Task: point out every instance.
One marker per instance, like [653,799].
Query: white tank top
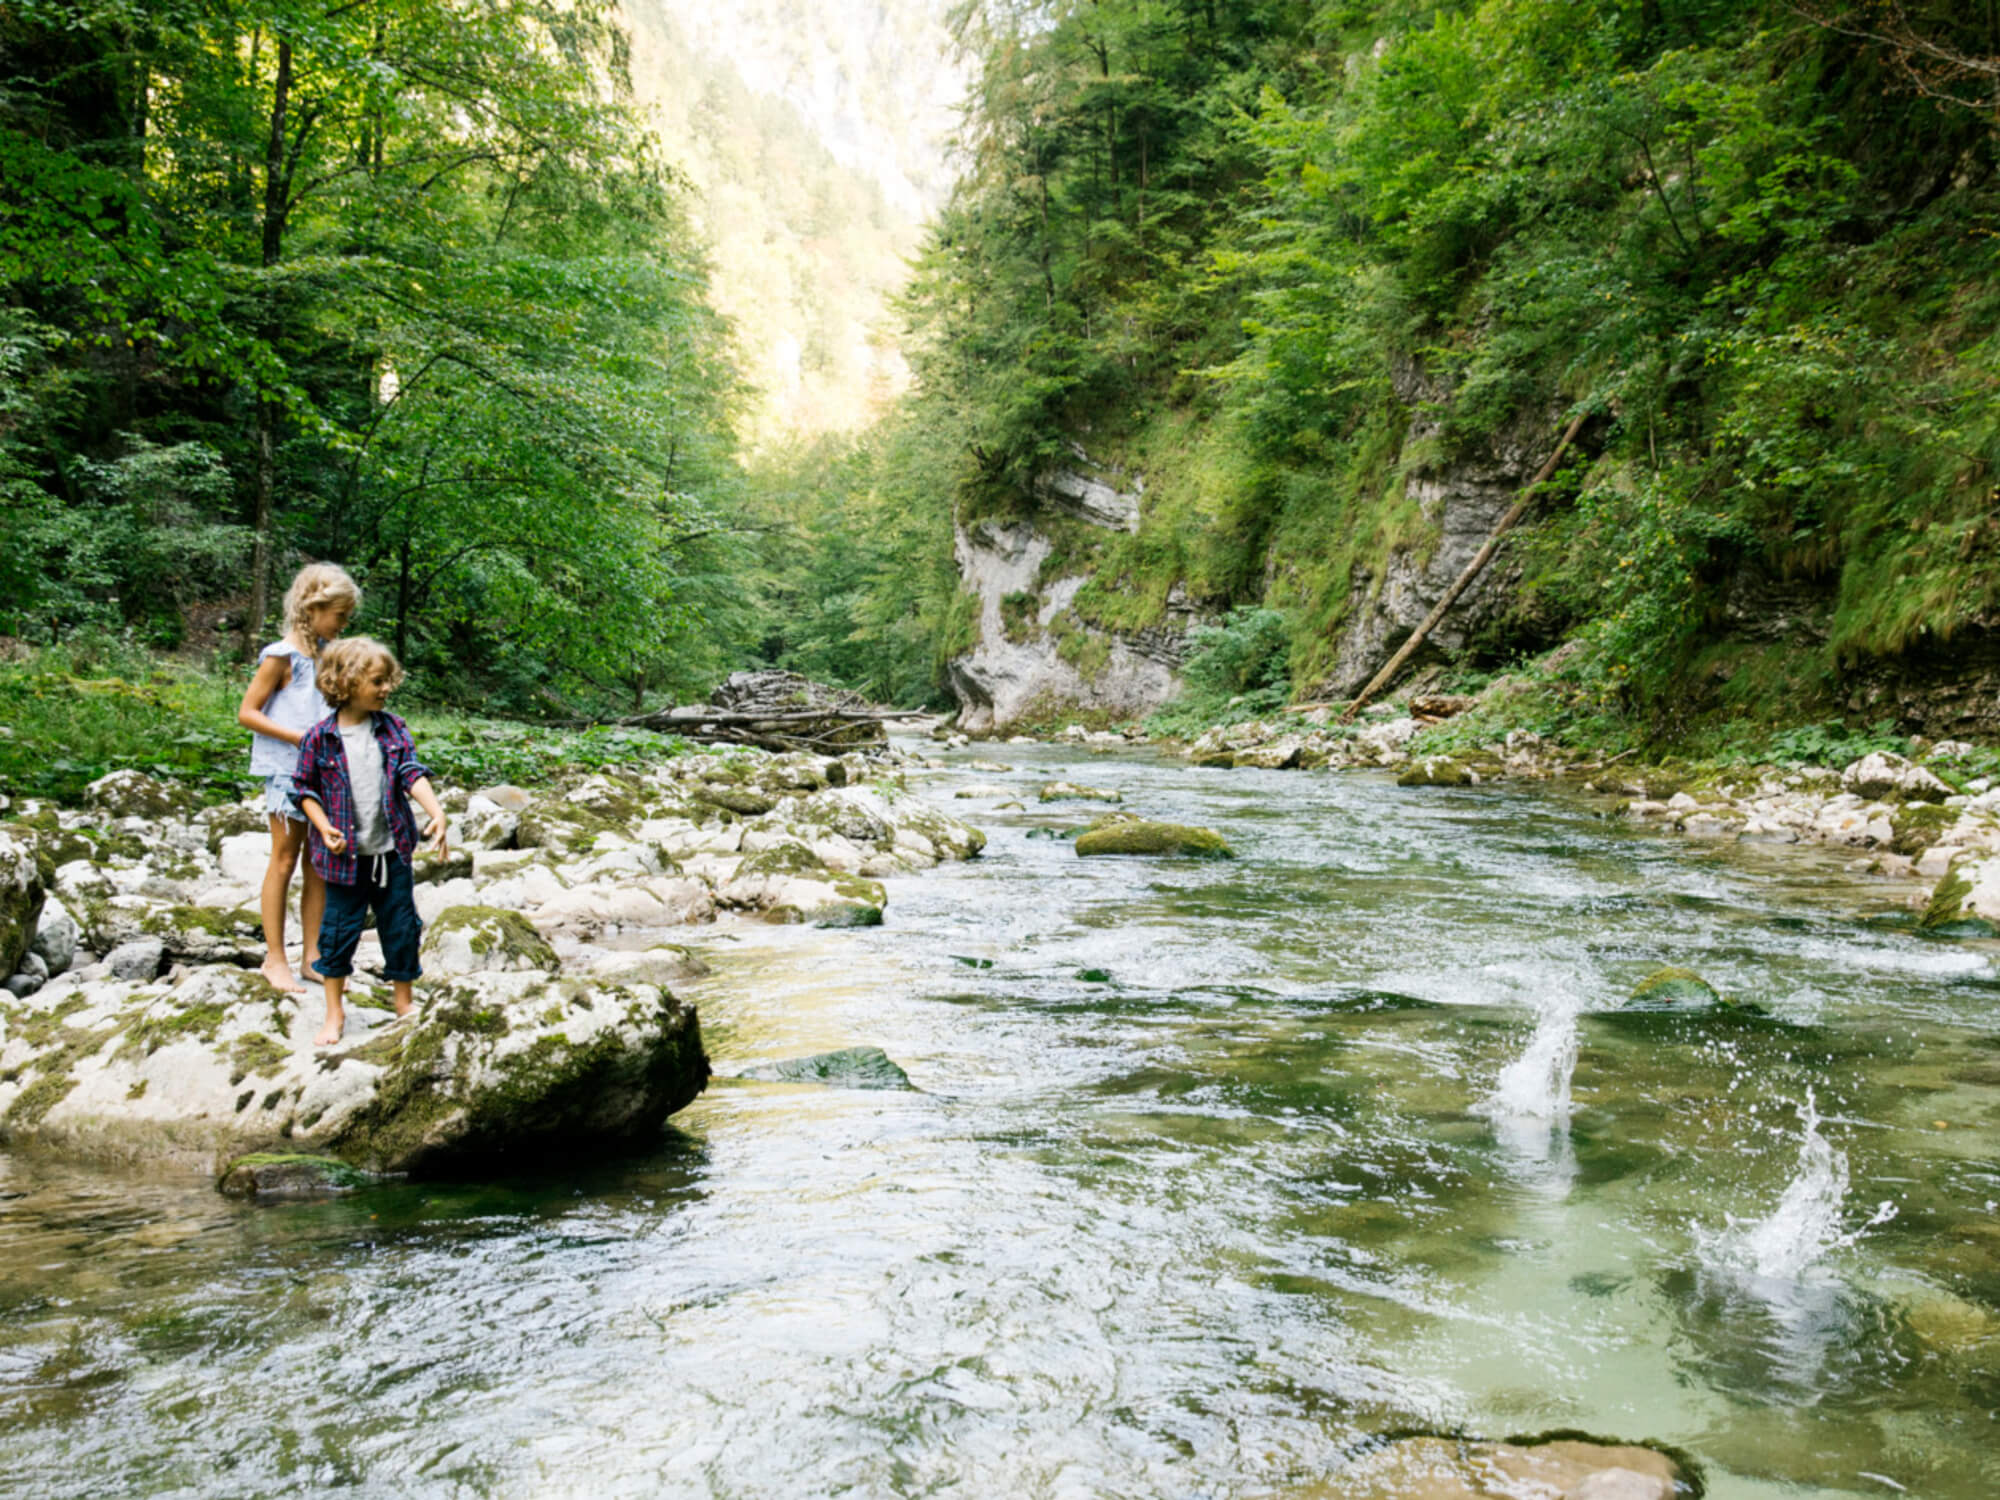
[296,705]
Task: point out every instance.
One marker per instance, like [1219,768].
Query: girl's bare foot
[279,973]
[330,1033]
[309,971]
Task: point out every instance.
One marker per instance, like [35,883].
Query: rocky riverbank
[1914,820]
[135,1027]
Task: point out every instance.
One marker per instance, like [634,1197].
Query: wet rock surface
[1442,1468]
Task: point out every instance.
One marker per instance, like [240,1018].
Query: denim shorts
[281,798]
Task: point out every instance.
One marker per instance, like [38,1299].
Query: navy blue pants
[396,919]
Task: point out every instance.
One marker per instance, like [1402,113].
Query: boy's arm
[305,785]
[436,840]
[333,838]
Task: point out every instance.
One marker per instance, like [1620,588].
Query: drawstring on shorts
[378,871]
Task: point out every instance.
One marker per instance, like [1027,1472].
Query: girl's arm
[273,672]
[436,840]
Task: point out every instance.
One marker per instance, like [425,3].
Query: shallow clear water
[1296,1170]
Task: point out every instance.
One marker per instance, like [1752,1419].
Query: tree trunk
[276,187]
[403,597]
[260,544]
[275,193]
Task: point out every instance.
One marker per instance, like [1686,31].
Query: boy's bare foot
[330,1033]
[279,973]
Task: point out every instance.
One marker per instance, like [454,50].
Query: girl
[282,703]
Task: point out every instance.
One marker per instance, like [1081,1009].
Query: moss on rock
[1436,770]
[471,939]
[1675,986]
[1918,825]
[736,799]
[256,1054]
[787,858]
[1945,911]
[1154,838]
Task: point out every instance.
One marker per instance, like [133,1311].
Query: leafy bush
[1834,743]
[1234,671]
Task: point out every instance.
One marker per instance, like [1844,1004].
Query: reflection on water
[1210,1172]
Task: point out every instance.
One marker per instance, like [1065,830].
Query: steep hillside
[1324,286]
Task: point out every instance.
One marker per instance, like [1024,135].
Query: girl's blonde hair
[346,661]
[317,586]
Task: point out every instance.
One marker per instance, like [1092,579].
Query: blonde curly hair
[317,586]
[345,662]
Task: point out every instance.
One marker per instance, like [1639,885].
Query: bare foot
[309,971]
[330,1033]
[279,973]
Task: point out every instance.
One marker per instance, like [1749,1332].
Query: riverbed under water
[1212,1171]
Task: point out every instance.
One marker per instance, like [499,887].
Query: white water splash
[1535,1085]
[1805,1226]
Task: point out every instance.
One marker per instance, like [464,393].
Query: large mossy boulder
[21,897]
[1143,837]
[222,1065]
[1673,986]
[485,939]
[1966,901]
[498,1063]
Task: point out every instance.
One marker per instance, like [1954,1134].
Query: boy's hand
[335,841]
[436,841]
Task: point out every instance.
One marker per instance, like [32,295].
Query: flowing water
[1212,1171]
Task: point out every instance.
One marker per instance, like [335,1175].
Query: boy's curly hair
[345,662]
[316,586]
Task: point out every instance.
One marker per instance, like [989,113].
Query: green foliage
[403,284]
[1234,671]
[99,704]
[1834,743]
[856,577]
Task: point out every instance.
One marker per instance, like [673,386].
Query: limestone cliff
[1035,656]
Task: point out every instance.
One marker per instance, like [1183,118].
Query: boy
[357,771]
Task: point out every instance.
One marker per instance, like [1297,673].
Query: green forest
[412,285]
[1246,248]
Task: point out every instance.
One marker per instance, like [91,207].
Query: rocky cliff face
[1034,656]
[1462,498]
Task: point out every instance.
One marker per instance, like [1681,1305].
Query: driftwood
[776,711]
[828,731]
[1472,570]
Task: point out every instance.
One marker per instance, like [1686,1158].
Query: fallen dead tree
[777,711]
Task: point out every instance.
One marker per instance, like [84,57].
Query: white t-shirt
[364,776]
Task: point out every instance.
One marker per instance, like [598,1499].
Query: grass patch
[77,712]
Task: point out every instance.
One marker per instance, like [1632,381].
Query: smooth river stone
[1435,1468]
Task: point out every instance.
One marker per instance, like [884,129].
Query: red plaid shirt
[322,776]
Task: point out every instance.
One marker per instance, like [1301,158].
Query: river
[1210,1172]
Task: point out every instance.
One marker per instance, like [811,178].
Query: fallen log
[824,730]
